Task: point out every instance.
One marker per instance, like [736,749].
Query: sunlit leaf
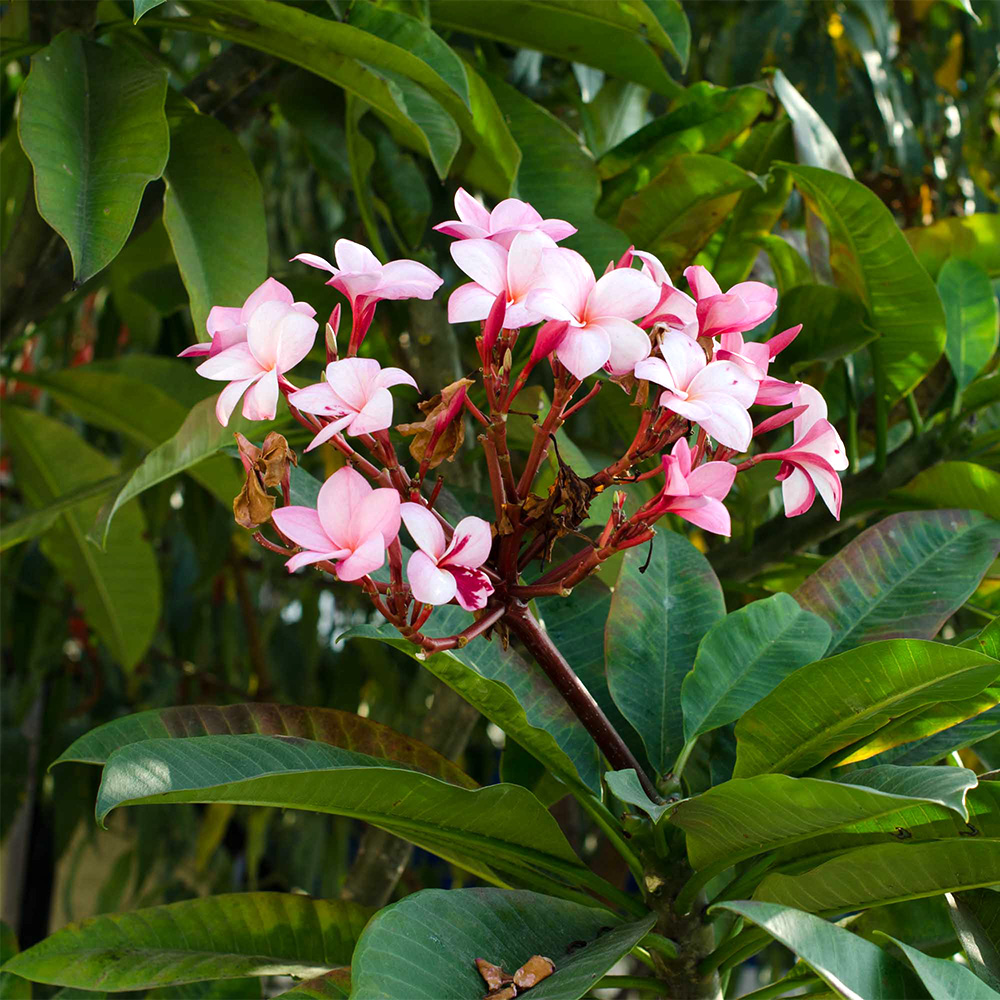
[972,316]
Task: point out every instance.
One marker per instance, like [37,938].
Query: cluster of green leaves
[181,153]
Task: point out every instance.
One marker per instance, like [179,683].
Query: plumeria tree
[669,459]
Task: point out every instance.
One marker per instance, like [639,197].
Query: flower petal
[329,430]
[408,279]
[470,210]
[713,479]
[653,267]
[684,358]
[556,229]
[269,291]
[375,415]
[196,351]
[307,558]
[428,583]
[424,529]
[353,380]
[728,422]
[761,300]
[470,545]
[302,526]
[315,261]
[584,350]
[228,399]
[706,512]
[655,370]
[797,492]
[625,293]
[354,257]
[235,362]
[701,281]
[223,317]
[483,261]
[472,587]
[296,334]
[570,278]
[379,513]
[317,398]
[629,344]
[394,376]
[524,263]
[340,497]
[365,559]
[462,230]
[727,378]
[470,302]
[261,400]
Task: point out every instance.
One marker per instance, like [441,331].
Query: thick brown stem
[528,629]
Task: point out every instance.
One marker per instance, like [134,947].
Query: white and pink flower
[351,526]
[509,218]
[755,359]
[696,495]
[440,571]
[715,395]
[598,313]
[355,394]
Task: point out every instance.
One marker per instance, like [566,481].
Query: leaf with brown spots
[324,725]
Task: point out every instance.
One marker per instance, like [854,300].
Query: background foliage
[845,151]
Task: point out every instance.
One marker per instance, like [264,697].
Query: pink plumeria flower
[598,313]
[439,571]
[743,307]
[363,279]
[813,460]
[351,526]
[355,393]
[501,225]
[279,334]
[715,395]
[696,495]
[755,359]
[675,309]
[495,270]
[227,325]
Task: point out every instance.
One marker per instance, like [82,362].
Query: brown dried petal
[504,993]
[495,976]
[453,436]
[537,968]
[254,504]
[274,458]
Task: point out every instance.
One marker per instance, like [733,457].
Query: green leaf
[830,704]
[972,317]
[674,215]
[599,33]
[745,656]
[215,218]
[509,692]
[947,741]
[976,918]
[219,937]
[93,125]
[334,985]
[325,725]
[886,873]
[15,176]
[119,589]
[790,269]
[923,923]
[657,620]
[834,324]
[140,7]
[626,787]
[957,484]
[502,825]
[409,93]
[557,175]
[11,987]
[775,810]
[871,259]
[815,144]
[423,947]
[965,5]
[704,123]
[850,965]
[200,437]
[973,238]
[904,576]
[945,978]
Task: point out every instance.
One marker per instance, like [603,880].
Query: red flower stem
[259,538]
[527,628]
[583,402]
[464,637]
[565,387]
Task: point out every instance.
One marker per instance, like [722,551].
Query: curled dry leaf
[265,467]
[450,439]
[503,986]
[495,976]
[537,968]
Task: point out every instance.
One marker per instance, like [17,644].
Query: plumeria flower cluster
[697,374]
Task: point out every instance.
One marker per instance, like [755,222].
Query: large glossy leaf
[597,33]
[334,985]
[971,237]
[674,215]
[976,918]
[815,144]
[657,620]
[886,873]
[958,484]
[413,91]
[850,965]
[140,7]
[789,266]
[146,406]
[830,704]
[871,259]
[502,825]
[325,725]
[944,978]
[424,947]
[215,218]
[217,937]
[93,125]
[902,577]
[119,589]
[941,744]
[745,656]
[971,314]
[557,175]
[199,438]
[923,923]
[775,810]
[509,692]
